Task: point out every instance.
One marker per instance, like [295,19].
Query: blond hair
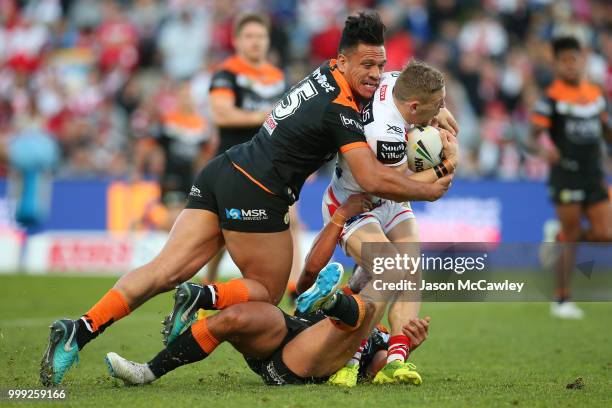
[418,80]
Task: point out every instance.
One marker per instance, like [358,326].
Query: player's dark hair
[565,43]
[250,17]
[366,27]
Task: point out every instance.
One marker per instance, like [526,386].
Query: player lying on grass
[414,96]
[286,349]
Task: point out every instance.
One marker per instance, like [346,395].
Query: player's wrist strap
[444,168]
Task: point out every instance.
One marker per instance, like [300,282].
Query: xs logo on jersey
[394,129]
[257,214]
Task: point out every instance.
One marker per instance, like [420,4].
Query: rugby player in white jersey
[404,99]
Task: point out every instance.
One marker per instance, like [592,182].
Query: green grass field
[494,354]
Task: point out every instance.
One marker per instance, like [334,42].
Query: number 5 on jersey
[292,101]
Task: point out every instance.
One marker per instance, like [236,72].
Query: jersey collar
[346,94]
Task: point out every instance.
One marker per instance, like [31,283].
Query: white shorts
[388,214]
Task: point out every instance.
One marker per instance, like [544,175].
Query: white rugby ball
[423,148]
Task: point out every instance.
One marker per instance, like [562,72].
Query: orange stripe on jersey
[351,146]
[222,92]
[265,74]
[541,120]
[581,94]
[345,97]
[243,171]
[186,121]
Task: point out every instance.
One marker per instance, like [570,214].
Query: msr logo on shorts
[258,214]
[195,192]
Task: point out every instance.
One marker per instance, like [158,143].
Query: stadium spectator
[183,42]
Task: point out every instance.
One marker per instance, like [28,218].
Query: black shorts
[577,190]
[240,204]
[273,370]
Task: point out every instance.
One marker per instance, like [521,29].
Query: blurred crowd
[103,77]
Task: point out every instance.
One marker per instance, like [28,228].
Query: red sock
[357,356]
[399,347]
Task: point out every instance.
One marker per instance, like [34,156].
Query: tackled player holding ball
[413,96]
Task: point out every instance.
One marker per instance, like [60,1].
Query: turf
[494,354]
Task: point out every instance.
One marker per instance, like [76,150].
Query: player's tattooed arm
[324,244]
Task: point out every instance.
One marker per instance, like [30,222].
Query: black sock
[184,350]
[205,301]
[83,335]
[344,308]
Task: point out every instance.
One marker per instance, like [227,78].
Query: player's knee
[234,318]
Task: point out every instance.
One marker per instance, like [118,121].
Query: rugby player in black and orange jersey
[242,91]
[574,113]
[241,199]
[245,86]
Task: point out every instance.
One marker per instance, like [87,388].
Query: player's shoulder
[387,82]
[272,73]
[336,90]
[586,92]
[234,65]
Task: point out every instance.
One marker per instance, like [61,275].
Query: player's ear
[413,106]
[342,62]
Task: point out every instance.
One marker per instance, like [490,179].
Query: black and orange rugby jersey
[254,89]
[574,117]
[316,119]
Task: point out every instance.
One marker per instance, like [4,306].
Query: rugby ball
[423,148]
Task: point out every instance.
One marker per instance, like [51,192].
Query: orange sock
[231,293]
[109,309]
[200,332]
[346,289]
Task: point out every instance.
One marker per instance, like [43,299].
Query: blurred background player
[242,93]
[173,150]
[574,113]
